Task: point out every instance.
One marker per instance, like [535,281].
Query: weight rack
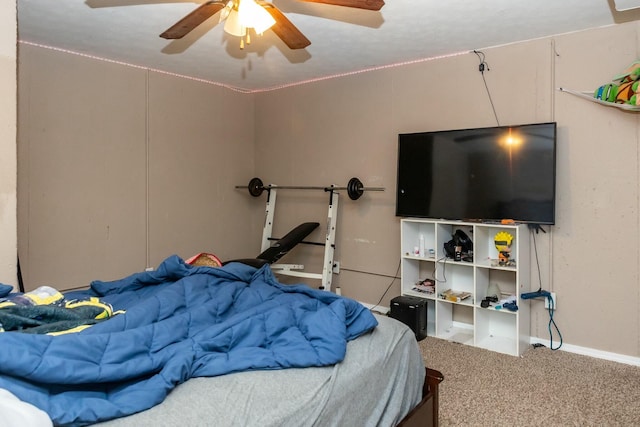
[354,189]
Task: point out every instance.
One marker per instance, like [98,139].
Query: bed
[356,368]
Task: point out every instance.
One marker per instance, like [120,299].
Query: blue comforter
[180,322]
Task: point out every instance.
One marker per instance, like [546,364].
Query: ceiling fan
[236,13]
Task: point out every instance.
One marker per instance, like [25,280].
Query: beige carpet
[541,388]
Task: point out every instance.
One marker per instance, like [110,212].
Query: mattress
[378,382]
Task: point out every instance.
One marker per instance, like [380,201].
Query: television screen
[486,174]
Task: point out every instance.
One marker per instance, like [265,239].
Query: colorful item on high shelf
[624,87]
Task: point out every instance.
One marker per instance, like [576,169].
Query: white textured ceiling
[343,40]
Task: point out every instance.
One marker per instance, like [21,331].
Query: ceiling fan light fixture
[252,15]
[232,25]
[244,14]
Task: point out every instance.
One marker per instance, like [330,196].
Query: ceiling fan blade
[192,20]
[360,4]
[285,29]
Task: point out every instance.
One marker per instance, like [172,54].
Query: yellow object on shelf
[455,296]
[503,241]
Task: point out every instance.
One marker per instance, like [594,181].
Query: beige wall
[120,167]
[332,130]
[191,149]
[595,244]
[327,131]
[8,164]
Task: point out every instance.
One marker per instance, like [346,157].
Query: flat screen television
[483,174]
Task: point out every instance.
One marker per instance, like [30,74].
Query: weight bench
[281,247]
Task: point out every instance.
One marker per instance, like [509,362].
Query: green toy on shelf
[631,74]
[624,87]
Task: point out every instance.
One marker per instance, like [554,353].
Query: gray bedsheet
[377,384]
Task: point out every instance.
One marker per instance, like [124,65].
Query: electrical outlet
[336,267]
[555,301]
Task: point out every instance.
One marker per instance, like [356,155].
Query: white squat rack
[355,189]
[329,244]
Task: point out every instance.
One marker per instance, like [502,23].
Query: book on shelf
[426,286]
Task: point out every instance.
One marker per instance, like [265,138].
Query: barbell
[354,188]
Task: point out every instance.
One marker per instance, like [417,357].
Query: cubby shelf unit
[465,321]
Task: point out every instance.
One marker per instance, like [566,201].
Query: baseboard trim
[591,352]
[585,351]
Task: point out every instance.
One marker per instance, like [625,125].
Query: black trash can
[412,311]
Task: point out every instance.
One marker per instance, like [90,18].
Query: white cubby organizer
[466,321]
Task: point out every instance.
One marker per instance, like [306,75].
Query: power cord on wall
[442,260]
[482,67]
[552,323]
[394,278]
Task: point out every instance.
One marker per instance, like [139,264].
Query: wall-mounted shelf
[589,97]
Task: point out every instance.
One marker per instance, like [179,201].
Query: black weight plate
[355,189]
[255,187]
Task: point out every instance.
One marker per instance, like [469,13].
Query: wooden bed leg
[425,414]
[434,378]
